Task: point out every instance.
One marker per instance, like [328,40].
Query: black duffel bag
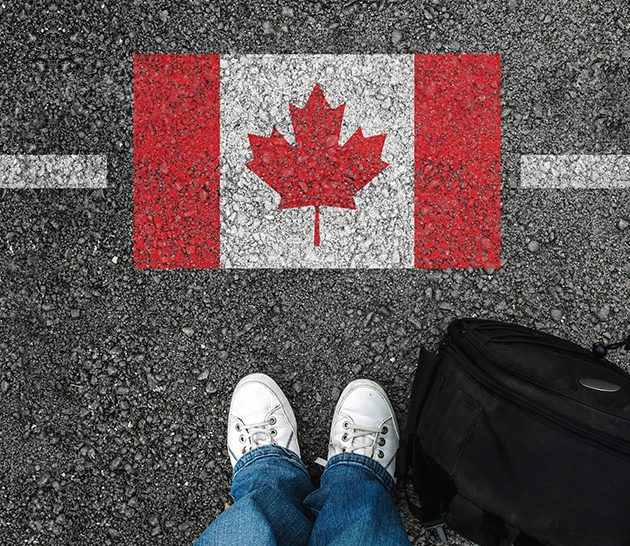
[519,437]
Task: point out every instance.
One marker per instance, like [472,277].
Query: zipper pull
[439,529]
[600,349]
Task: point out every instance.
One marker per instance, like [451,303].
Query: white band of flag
[234,156]
[575,171]
[53,171]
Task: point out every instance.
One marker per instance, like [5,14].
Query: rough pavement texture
[114,383]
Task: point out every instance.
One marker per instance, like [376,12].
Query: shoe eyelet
[274,443]
[343,449]
[241,439]
[344,438]
[346,425]
[272,421]
[384,431]
[274,432]
[381,442]
[244,450]
[380,454]
[237,427]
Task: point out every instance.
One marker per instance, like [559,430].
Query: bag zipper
[521,375]
[516,338]
[510,397]
[609,366]
[525,335]
[599,349]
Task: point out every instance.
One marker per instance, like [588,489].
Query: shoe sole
[275,388]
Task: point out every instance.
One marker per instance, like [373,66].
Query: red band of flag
[457,161]
[176,161]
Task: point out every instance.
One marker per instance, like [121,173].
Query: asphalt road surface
[115,382]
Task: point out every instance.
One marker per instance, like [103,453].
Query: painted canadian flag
[336,161]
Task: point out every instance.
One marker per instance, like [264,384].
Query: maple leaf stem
[316,225]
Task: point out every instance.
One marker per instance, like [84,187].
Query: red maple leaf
[317,171]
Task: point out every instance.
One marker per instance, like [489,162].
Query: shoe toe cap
[368,406]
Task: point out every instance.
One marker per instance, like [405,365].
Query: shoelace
[256,434]
[353,433]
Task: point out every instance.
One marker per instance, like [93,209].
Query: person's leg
[270,481]
[355,502]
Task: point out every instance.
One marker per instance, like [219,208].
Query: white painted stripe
[256,91]
[53,171]
[575,171]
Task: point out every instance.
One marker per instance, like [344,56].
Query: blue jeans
[275,503]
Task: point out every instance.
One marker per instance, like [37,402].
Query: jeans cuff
[354,459]
[264,452]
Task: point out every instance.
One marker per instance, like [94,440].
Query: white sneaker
[364,423]
[260,415]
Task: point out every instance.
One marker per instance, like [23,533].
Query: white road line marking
[53,171]
[575,171]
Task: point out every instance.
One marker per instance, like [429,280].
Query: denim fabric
[276,504]
[355,504]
